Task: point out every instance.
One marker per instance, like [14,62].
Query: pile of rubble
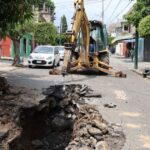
[89,130]
[4,87]
[57,119]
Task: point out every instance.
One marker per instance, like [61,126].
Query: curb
[148,77]
[139,72]
[11,68]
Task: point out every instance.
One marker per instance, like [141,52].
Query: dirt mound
[4,87]
[57,120]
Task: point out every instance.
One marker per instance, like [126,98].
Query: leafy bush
[144,27]
[140,9]
[45,33]
[15,12]
[60,39]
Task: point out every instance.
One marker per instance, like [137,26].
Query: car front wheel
[54,64]
[30,66]
[58,63]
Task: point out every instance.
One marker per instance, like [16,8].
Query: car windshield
[44,49]
[61,49]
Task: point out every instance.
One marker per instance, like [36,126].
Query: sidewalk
[141,65]
[5,66]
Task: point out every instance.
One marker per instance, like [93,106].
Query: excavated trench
[59,119]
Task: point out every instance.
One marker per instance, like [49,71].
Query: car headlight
[50,57]
[31,57]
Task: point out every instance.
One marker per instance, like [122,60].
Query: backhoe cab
[98,41]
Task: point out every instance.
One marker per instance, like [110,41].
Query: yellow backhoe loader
[86,46]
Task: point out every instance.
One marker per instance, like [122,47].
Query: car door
[56,55]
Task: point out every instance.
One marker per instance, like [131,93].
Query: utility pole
[103,11]
[60,32]
[136,49]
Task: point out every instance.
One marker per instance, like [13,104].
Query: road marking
[130,114]
[145,140]
[133,126]
[120,95]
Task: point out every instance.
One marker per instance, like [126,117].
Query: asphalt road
[131,96]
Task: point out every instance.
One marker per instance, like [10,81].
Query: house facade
[125,42]
[7,47]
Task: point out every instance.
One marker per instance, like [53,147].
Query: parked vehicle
[44,55]
[61,51]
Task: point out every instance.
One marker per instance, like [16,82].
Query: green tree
[16,34]
[63,25]
[16,19]
[62,38]
[49,4]
[140,10]
[144,27]
[13,13]
[110,39]
[45,33]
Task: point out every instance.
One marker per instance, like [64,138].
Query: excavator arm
[80,24]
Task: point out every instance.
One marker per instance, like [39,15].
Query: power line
[73,1]
[102,10]
[96,1]
[86,3]
[121,11]
[115,9]
[107,6]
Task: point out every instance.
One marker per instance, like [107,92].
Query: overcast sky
[114,9]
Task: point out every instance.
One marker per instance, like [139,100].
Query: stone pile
[67,99]
[57,119]
[4,86]
[89,130]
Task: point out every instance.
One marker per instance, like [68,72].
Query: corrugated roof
[122,37]
[129,41]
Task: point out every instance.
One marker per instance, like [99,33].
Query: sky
[113,10]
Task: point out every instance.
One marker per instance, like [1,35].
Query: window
[125,27]
[44,49]
[56,50]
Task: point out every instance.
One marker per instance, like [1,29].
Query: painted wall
[141,49]
[121,49]
[6,47]
[25,47]
[147,50]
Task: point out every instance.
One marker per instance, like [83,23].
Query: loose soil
[56,119]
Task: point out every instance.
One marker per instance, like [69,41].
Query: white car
[61,51]
[44,55]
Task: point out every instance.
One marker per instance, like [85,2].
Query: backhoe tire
[104,57]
